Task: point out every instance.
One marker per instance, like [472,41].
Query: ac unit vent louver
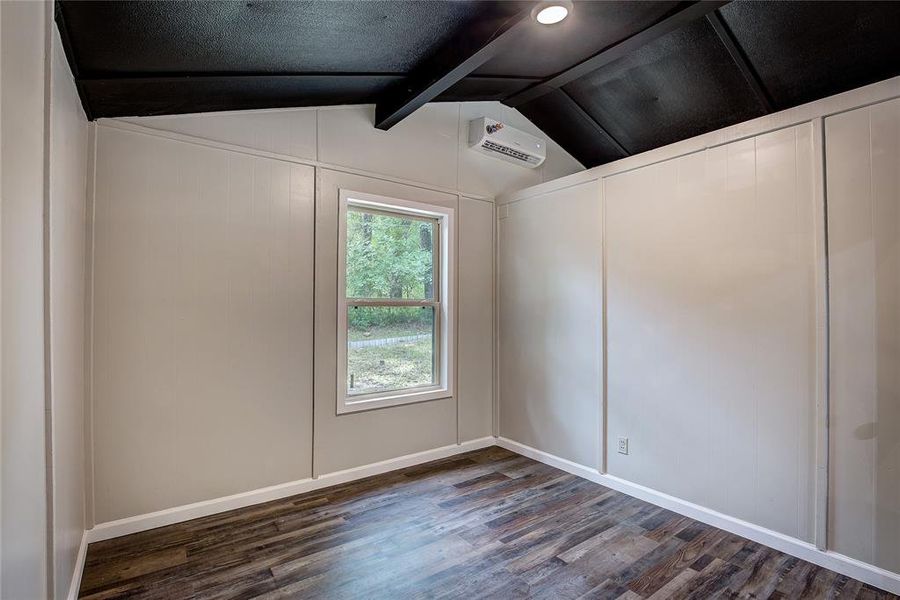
[498,140]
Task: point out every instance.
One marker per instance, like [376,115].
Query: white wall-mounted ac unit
[506,143]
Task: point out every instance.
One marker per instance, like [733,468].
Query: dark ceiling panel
[555,114]
[678,86]
[477,88]
[261,36]
[592,26]
[177,95]
[808,50]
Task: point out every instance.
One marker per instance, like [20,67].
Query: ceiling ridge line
[727,38]
[594,122]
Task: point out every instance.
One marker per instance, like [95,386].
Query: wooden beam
[669,24]
[310,77]
[226,77]
[458,59]
[740,59]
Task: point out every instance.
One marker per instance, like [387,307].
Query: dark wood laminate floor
[487,524]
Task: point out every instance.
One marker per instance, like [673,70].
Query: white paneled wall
[203,382]
[24,563]
[288,132]
[711,328]
[475,346]
[863,167]
[753,371]
[68,230]
[430,146]
[422,147]
[203,272]
[550,267]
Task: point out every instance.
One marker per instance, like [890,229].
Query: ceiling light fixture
[548,13]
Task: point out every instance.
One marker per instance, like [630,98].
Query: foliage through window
[389,256]
[392,302]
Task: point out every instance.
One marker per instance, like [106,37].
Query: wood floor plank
[120,568]
[485,524]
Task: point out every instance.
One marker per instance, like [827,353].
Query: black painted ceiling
[645,73]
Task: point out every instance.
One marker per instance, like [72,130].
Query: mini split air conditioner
[506,143]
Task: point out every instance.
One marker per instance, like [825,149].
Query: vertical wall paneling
[604,363]
[712,328]
[499,212]
[23,493]
[550,322]
[89,329]
[203,323]
[475,346]
[66,295]
[863,175]
[820,526]
[361,438]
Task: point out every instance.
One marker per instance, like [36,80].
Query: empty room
[449,299]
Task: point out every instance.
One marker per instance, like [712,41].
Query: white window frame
[443,302]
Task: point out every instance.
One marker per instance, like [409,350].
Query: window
[394,318]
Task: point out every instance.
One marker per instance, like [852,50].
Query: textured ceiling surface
[614,79]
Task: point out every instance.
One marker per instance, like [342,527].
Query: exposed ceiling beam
[170,77]
[458,59]
[740,59]
[669,24]
[312,77]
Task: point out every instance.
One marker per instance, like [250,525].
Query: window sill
[352,405]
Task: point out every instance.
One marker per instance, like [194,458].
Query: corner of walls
[90,194]
[783,543]
[807,540]
[65,265]
[75,582]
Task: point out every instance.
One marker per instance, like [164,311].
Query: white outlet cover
[623,445]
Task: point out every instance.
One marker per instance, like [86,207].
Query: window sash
[436,356]
[436,259]
[441,302]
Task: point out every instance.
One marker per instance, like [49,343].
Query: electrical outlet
[623,445]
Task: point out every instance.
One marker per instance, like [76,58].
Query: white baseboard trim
[179,514]
[834,561]
[75,584]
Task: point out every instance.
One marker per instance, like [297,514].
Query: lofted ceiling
[614,79]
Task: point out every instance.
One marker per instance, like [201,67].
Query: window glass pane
[389,348]
[389,256]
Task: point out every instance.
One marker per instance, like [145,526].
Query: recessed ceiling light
[548,13]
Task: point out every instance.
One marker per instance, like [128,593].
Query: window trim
[443,302]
